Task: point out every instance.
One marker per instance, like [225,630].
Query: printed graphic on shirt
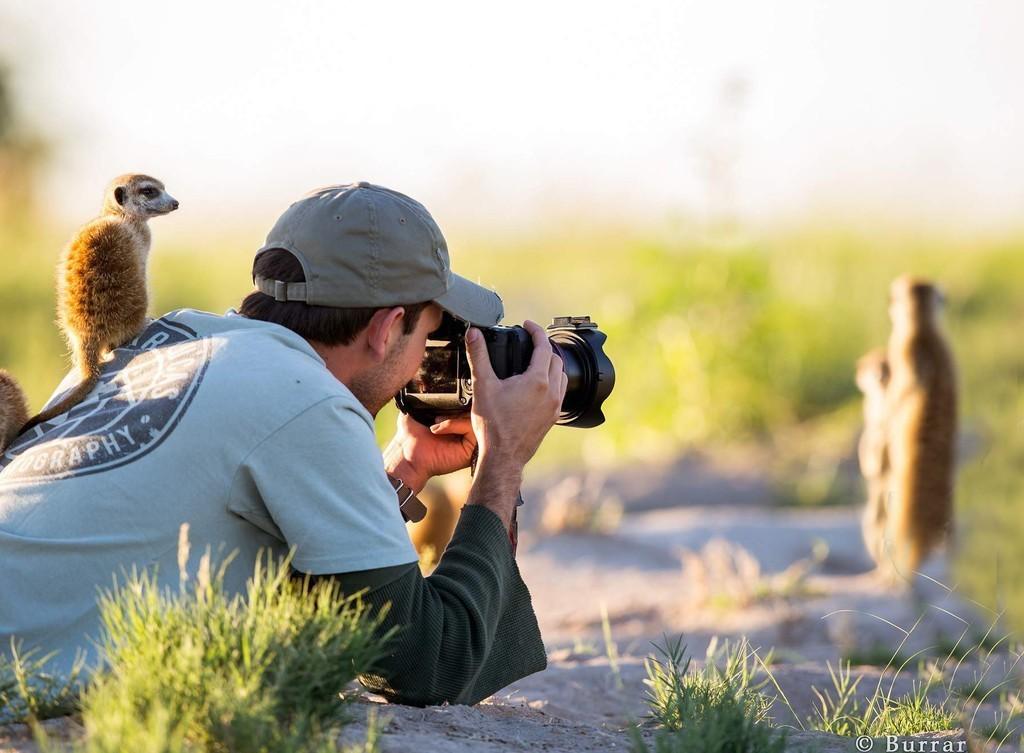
[143,393]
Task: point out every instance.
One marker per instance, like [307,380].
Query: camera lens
[589,372]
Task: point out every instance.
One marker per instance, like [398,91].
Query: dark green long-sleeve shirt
[466,631]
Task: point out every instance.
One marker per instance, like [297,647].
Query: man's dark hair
[322,324]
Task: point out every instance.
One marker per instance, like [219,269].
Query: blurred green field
[748,344]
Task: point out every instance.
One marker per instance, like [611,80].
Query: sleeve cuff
[484,527]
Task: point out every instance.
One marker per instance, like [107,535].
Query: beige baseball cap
[362,245]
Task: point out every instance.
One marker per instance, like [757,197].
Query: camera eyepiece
[443,385]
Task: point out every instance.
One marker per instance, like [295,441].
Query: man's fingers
[409,425]
[453,426]
[541,358]
[476,353]
[555,371]
[556,382]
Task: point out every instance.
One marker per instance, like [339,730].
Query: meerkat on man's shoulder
[101,281]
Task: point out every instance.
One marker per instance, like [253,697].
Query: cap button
[363,184]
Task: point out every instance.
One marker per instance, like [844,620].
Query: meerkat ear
[119,193]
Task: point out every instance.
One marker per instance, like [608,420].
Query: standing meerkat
[13,409]
[101,280]
[922,415]
[873,450]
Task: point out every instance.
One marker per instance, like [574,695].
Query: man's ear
[383,328]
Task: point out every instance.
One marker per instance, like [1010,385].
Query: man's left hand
[418,452]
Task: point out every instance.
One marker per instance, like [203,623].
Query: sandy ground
[719,561]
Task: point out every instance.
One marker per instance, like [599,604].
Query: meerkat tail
[90,368]
[13,409]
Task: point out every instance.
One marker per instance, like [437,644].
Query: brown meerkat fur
[13,409]
[444,498]
[101,280]
[872,450]
[922,417]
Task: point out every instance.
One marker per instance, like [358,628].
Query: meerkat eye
[148,192]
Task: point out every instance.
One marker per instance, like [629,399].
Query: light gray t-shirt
[231,425]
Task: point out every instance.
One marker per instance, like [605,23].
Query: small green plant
[836,713]
[911,714]
[202,670]
[29,693]
[842,711]
[610,647]
[720,707]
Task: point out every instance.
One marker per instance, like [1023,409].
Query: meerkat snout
[139,197]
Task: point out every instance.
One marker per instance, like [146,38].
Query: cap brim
[471,302]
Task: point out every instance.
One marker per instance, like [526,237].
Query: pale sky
[502,112]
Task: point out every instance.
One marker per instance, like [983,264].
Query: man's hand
[417,452]
[510,417]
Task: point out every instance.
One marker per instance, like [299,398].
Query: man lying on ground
[256,429]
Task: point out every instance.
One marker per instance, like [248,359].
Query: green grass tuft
[202,670]
[720,708]
[841,710]
[28,692]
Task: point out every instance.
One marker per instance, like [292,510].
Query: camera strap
[408,503]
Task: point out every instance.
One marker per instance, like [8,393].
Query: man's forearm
[496,485]
[466,631]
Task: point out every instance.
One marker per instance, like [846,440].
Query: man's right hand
[510,417]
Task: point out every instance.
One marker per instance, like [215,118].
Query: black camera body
[444,387]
